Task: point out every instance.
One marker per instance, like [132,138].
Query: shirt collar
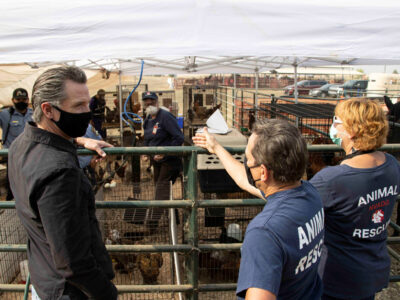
[48,138]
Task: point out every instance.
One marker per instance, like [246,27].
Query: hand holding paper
[216,124]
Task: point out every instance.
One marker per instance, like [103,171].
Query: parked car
[304,86]
[321,91]
[355,88]
[335,90]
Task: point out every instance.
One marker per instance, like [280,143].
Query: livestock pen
[207,247]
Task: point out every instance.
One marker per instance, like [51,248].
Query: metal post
[296,92]
[256,97]
[241,114]
[234,100]
[190,174]
[174,240]
[121,127]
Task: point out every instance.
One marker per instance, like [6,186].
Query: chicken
[210,111]
[119,169]
[100,174]
[149,265]
[111,115]
[124,263]
[136,108]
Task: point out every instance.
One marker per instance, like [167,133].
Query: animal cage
[199,103]
[313,120]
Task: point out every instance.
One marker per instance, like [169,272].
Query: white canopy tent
[202,36]
[166,32]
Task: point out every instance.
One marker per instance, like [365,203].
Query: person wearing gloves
[161,129]
[67,258]
[282,244]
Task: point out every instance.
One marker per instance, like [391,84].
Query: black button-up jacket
[55,203]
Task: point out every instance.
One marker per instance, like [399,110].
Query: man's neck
[49,125]
[275,187]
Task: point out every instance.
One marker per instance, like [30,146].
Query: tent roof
[204,36]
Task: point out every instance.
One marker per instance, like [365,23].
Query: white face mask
[151,110]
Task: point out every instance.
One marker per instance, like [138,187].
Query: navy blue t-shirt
[283,244]
[358,204]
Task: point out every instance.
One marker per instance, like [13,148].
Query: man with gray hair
[279,260]
[54,199]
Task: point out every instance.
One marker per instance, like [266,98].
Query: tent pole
[234,99]
[296,93]
[121,128]
[256,98]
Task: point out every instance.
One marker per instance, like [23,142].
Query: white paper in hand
[216,123]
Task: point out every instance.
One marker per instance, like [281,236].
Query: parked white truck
[381,84]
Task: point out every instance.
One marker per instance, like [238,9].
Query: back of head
[365,120]
[50,87]
[281,148]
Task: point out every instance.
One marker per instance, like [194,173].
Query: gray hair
[281,148]
[50,87]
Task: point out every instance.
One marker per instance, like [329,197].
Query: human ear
[47,110]
[264,173]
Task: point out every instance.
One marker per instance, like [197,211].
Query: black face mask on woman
[73,125]
[21,105]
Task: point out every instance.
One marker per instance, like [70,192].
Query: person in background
[282,245]
[394,117]
[358,197]
[88,162]
[161,129]
[67,258]
[394,137]
[98,107]
[12,123]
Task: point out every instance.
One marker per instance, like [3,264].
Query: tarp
[205,36]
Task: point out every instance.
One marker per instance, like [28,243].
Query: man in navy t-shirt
[283,244]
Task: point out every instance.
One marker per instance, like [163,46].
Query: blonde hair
[365,121]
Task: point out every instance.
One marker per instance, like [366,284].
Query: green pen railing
[191,203]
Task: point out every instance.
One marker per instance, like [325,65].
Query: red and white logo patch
[377,217]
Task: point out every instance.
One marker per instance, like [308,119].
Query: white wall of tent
[193,36]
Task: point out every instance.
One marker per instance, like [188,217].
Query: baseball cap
[20,94]
[149,95]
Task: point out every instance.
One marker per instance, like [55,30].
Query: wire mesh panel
[229,295]
[13,265]
[313,120]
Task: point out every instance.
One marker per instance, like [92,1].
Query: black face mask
[73,125]
[249,175]
[21,105]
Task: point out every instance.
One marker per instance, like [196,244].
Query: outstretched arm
[95,145]
[234,168]
[389,104]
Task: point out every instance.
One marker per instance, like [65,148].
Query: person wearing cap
[282,244]
[12,123]
[161,129]
[98,106]
[54,200]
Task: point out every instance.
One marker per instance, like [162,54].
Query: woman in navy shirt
[358,197]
